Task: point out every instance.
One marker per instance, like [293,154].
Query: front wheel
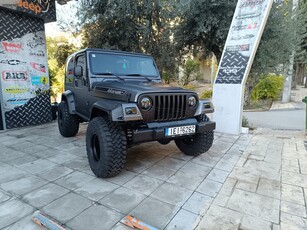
[68,123]
[106,146]
[197,144]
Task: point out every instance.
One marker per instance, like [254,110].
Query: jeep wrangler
[121,95]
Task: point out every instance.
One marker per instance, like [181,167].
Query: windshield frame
[114,74]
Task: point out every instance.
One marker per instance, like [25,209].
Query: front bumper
[156,131]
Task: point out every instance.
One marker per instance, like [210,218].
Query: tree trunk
[251,82]
[247,96]
[300,72]
[295,79]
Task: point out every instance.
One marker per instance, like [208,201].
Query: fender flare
[69,98]
[115,110]
[105,106]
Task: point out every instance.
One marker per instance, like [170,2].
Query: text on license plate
[182,130]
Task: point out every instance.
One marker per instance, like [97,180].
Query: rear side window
[70,67]
[70,70]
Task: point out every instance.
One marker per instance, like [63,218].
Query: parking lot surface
[251,181]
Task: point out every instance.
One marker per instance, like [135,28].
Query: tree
[276,45]
[138,26]
[69,23]
[301,57]
[58,50]
[204,25]
[190,72]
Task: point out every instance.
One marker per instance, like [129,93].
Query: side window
[70,70]
[81,62]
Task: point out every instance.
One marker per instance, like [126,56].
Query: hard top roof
[109,51]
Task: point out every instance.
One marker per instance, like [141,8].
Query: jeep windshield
[122,65]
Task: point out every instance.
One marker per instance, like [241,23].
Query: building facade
[24,77]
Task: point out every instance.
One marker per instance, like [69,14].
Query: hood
[130,90]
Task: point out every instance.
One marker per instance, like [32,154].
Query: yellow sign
[16,90]
[44,80]
[70,80]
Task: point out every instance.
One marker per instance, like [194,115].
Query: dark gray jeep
[121,95]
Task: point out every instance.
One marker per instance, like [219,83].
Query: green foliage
[138,26]
[301,31]
[269,87]
[278,41]
[58,50]
[206,94]
[168,77]
[245,122]
[190,87]
[191,72]
[204,26]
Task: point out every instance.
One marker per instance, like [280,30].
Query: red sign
[11,47]
[39,67]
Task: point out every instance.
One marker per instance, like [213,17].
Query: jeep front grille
[170,107]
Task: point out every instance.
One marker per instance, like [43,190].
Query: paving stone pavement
[251,181]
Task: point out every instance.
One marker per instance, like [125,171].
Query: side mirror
[78,71]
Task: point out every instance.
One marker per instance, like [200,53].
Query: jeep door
[81,88]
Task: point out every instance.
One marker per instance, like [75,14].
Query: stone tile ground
[253,181]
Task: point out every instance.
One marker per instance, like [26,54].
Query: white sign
[240,48]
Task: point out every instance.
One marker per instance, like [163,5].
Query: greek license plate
[182,130]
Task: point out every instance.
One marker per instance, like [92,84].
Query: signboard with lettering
[24,77]
[241,41]
[240,48]
[44,9]
[22,74]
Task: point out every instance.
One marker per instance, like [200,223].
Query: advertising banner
[240,48]
[241,41]
[24,73]
[23,69]
[44,9]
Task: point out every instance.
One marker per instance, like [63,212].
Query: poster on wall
[24,77]
[23,69]
[241,41]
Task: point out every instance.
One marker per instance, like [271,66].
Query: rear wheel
[197,144]
[68,123]
[106,146]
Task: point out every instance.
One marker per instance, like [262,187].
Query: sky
[65,11]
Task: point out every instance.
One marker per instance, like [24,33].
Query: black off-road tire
[197,144]
[106,146]
[68,123]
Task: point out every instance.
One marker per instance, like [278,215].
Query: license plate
[178,131]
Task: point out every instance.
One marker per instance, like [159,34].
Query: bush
[269,87]
[168,77]
[190,87]
[191,72]
[206,94]
[245,122]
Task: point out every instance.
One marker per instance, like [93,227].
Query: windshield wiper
[110,74]
[137,74]
[106,73]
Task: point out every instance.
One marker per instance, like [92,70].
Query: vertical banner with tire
[24,76]
[240,48]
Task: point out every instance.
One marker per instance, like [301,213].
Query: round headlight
[146,103]
[192,101]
